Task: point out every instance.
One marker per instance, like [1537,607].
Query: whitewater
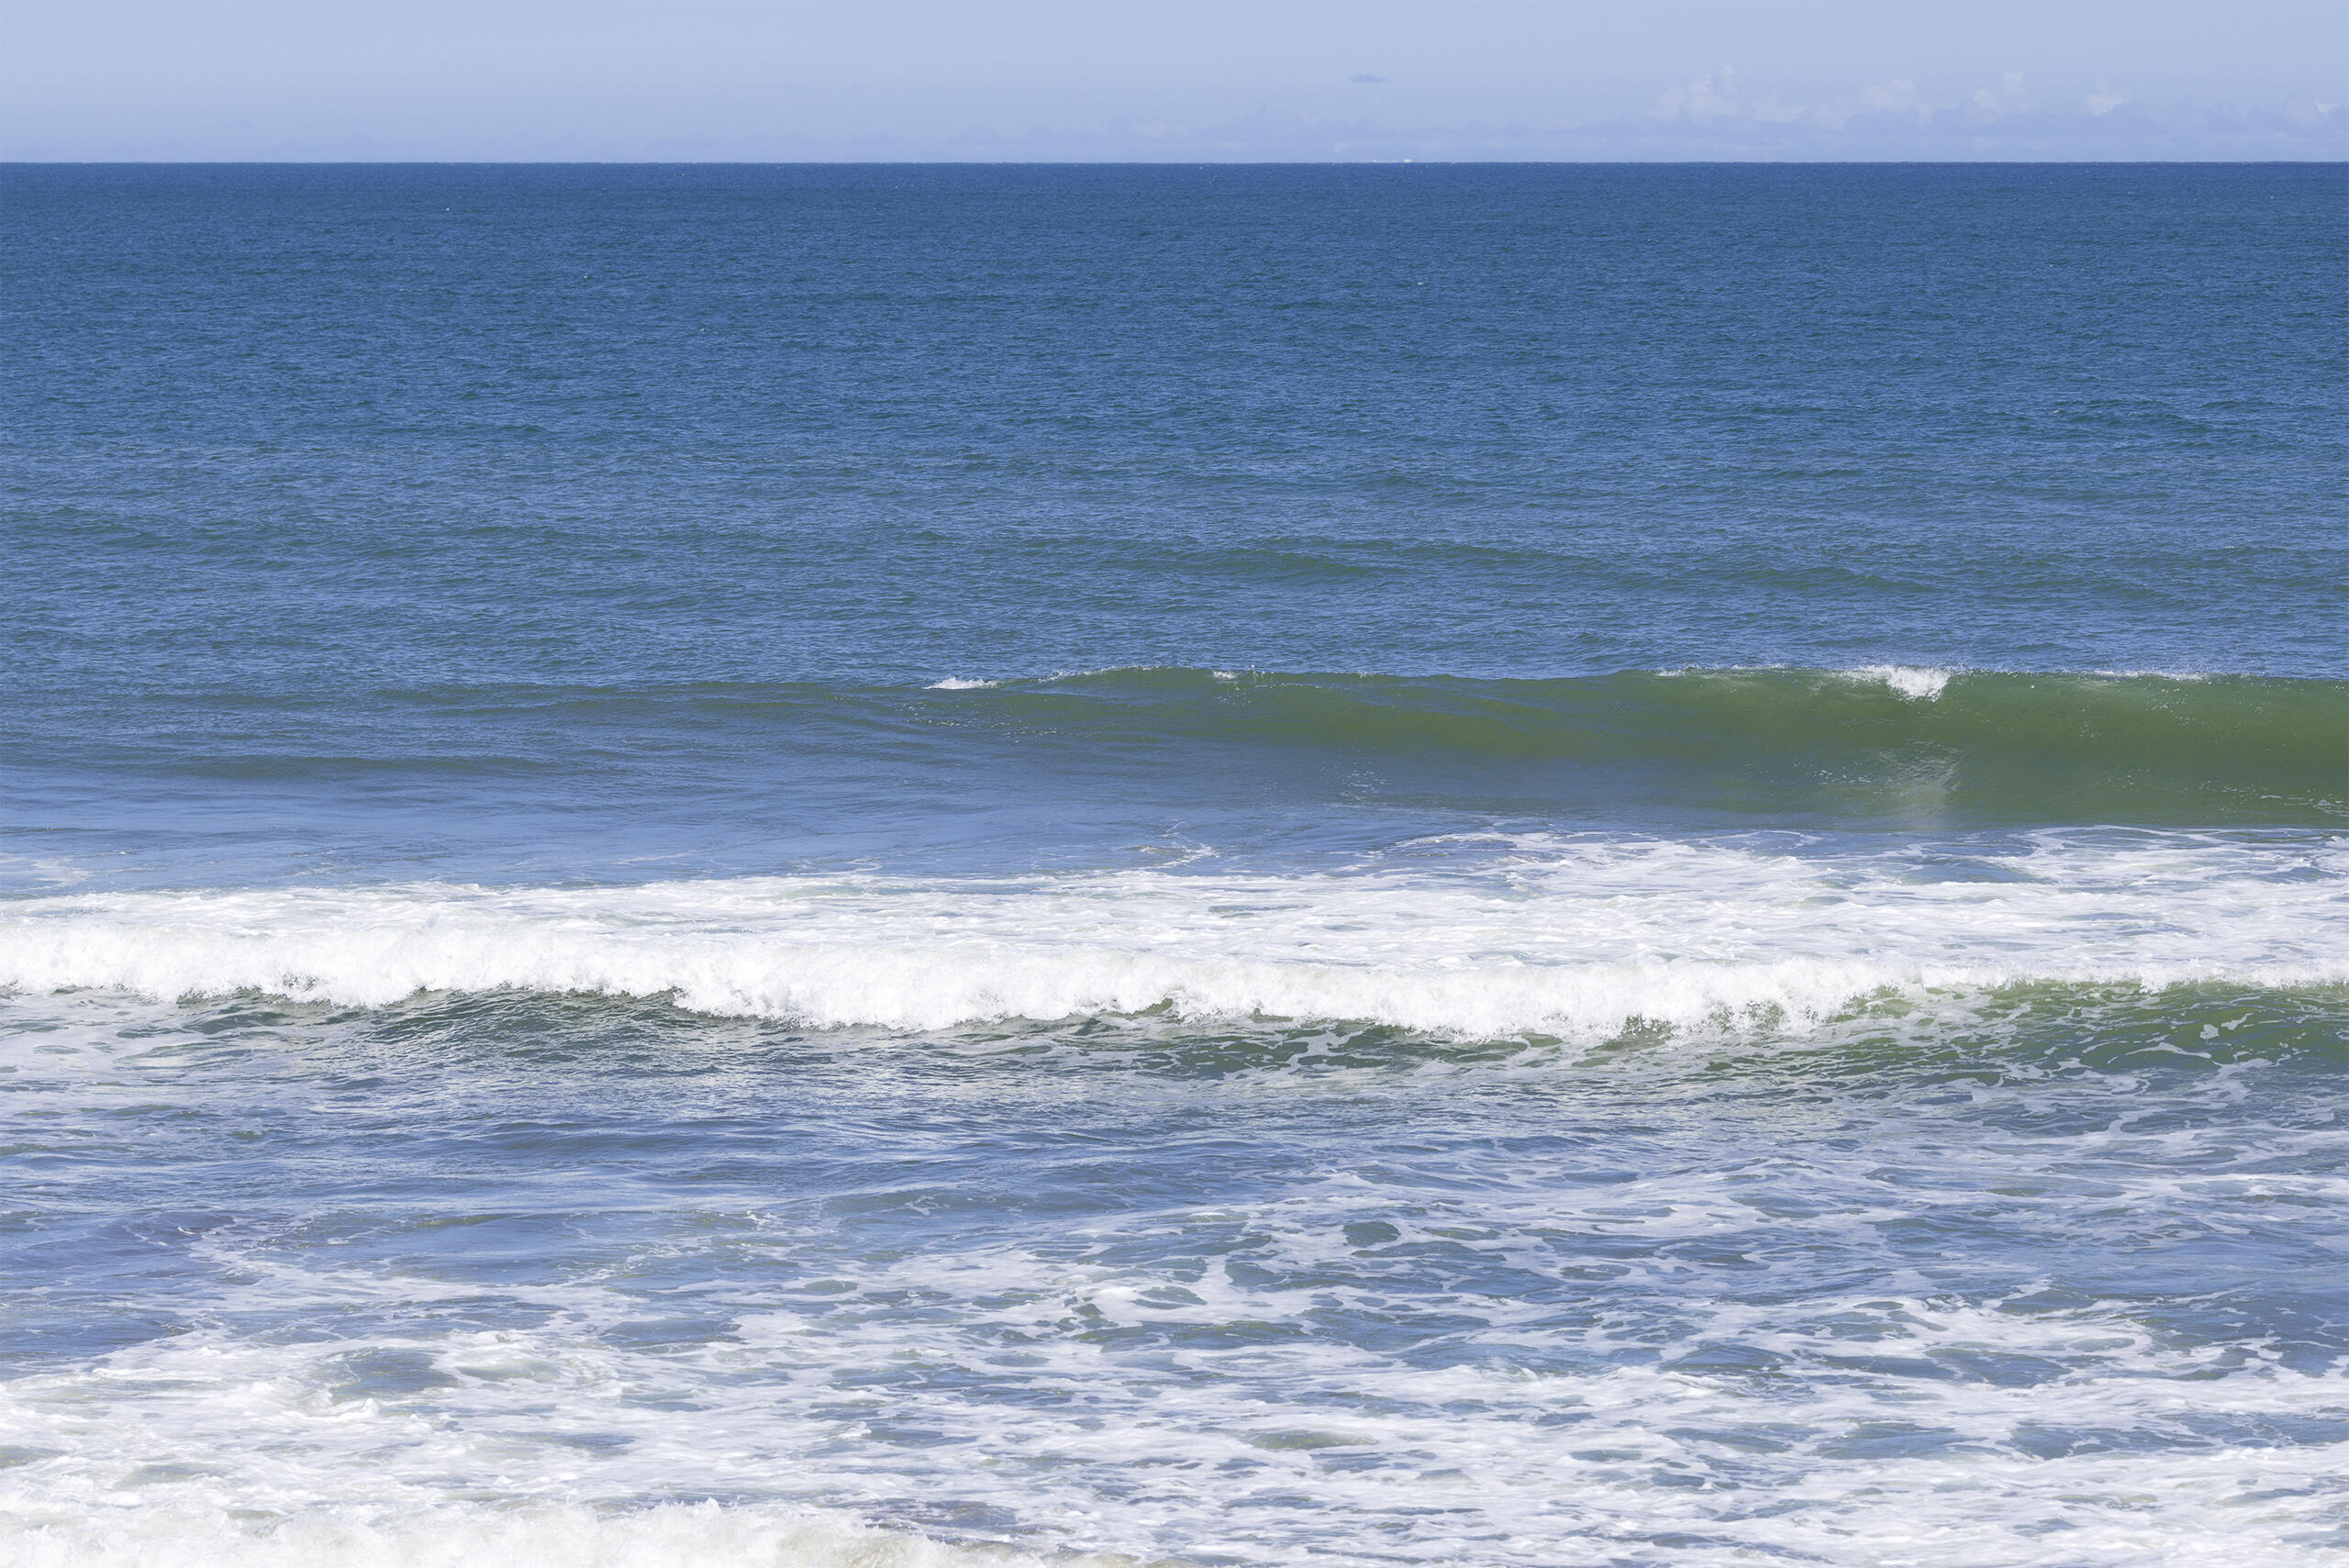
[1536,934]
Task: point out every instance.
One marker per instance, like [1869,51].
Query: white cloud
[1896,97]
[1712,97]
[2108,97]
[1715,97]
[2007,98]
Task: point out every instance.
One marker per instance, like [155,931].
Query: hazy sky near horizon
[1171,80]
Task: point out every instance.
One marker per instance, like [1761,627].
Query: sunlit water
[1482,866]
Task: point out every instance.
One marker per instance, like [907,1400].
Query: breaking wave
[1533,934]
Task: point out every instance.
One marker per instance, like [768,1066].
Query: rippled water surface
[1511,866]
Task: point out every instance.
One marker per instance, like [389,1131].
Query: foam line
[1552,936]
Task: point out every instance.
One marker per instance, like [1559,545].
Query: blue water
[1491,865]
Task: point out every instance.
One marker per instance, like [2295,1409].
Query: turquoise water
[1484,866]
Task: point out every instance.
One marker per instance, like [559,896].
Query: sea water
[1479,866]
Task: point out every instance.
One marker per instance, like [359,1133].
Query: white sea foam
[1916,685]
[1555,935]
[41,871]
[1915,682]
[956,683]
[548,1535]
[1741,1345]
[1854,1428]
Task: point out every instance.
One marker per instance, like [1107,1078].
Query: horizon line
[1148,163]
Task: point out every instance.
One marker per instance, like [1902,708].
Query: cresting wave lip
[1559,937]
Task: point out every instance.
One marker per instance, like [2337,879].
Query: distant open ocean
[1506,866]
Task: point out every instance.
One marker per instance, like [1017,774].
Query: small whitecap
[956,683]
[1916,685]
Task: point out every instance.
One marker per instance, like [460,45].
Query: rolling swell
[2047,747]
[1886,744]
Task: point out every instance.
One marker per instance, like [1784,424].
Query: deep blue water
[1500,865]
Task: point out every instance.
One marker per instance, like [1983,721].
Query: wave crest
[1548,935]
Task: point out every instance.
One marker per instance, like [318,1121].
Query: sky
[1171,81]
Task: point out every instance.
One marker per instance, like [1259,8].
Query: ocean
[1518,866]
